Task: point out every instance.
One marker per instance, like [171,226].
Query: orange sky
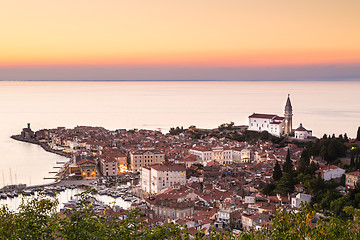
[177,34]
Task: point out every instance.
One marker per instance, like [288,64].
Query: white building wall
[204,156]
[259,124]
[303,134]
[336,173]
[299,198]
[161,180]
[145,180]
[265,124]
[276,129]
[218,154]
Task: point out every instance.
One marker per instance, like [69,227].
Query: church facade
[272,123]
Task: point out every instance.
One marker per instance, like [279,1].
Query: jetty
[44,145]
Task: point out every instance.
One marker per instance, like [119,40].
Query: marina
[122,195]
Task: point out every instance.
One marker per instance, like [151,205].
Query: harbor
[122,196]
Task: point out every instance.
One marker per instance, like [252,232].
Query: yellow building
[87,168]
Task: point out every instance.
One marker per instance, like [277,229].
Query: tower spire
[288,117]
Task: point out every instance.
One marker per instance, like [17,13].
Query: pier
[45,146]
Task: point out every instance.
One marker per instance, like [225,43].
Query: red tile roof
[260,115]
[169,167]
[355,174]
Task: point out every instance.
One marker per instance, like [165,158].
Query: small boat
[49,192]
[10,195]
[27,193]
[102,192]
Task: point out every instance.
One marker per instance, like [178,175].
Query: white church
[277,125]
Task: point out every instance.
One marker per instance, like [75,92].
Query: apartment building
[157,177]
[222,155]
[143,158]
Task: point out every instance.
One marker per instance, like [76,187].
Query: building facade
[329,172]
[143,158]
[351,179]
[302,133]
[273,123]
[222,155]
[109,166]
[300,198]
[158,177]
[266,122]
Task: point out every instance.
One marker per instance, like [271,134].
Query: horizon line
[186,80]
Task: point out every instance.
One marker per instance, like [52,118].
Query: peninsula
[223,178]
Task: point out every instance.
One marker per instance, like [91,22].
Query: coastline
[45,146]
[58,179]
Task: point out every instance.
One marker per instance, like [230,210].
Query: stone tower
[288,117]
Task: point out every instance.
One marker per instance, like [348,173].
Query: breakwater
[44,145]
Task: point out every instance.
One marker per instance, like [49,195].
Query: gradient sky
[187,39]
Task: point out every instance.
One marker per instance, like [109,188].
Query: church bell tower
[288,117]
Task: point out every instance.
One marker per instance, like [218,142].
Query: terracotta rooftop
[169,167]
[356,174]
[261,115]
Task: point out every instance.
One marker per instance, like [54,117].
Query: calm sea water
[324,107]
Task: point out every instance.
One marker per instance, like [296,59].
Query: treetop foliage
[37,219]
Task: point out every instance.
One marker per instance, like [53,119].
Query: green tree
[82,222]
[352,159]
[36,219]
[312,168]
[304,161]
[286,184]
[268,189]
[288,165]
[277,173]
[358,134]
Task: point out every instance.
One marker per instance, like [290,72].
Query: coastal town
[225,178]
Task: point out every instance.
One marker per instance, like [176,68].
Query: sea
[325,107]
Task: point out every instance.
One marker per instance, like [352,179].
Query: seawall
[45,146]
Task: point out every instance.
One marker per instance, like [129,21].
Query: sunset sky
[180,40]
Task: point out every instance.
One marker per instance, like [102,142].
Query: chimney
[28,125]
